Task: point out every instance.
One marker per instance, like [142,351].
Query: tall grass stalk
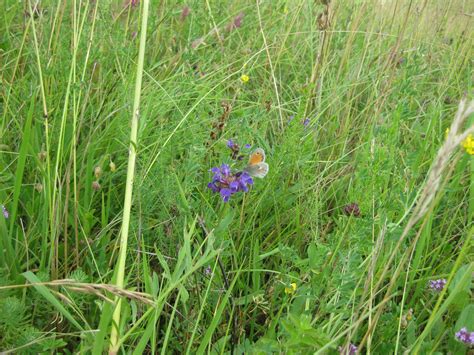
[120,267]
[48,187]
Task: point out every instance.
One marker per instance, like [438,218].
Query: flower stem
[120,267]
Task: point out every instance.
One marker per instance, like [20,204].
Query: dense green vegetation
[367,198]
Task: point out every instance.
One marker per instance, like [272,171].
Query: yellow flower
[406,318]
[290,290]
[245,78]
[468,144]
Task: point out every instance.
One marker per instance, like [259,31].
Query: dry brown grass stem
[98,290]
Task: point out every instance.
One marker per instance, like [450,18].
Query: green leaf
[46,293]
[301,335]
[225,222]
[457,279]
[466,319]
[217,316]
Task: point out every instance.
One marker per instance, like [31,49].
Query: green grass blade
[20,168]
[46,293]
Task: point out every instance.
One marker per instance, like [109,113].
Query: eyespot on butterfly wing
[258,156]
[257,166]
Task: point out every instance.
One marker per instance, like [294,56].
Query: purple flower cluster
[437,285]
[306,122]
[352,209]
[227,183]
[208,271]
[350,349]
[234,147]
[131,3]
[185,13]
[465,337]
[5,212]
[236,22]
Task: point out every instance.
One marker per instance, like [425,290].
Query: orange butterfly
[256,166]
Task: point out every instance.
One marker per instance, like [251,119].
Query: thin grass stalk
[43,95]
[57,184]
[75,136]
[120,267]
[12,80]
[47,182]
[272,70]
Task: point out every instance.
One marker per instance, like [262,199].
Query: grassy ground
[335,246]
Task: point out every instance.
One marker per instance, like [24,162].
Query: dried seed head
[197,42]
[42,155]
[98,172]
[323,21]
[39,187]
[96,186]
[268,105]
[112,166]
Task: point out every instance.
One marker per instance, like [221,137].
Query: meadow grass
[113,114]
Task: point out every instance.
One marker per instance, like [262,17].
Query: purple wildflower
[227,183]
[225,169]
[306,122]
[350,349]
[6,214]
[236,22]
[208,271]
[185,13]
[131,3]
[245,180]
[352,209]
[437,285]
[231,144]
[465,337]
[234,147]
[247,146]
[291,118]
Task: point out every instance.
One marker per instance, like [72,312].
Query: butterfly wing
[257,170]
[257,166]
[257,156]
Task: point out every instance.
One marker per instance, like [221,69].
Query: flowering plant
[227,183]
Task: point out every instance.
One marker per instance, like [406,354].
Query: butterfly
[256,166]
